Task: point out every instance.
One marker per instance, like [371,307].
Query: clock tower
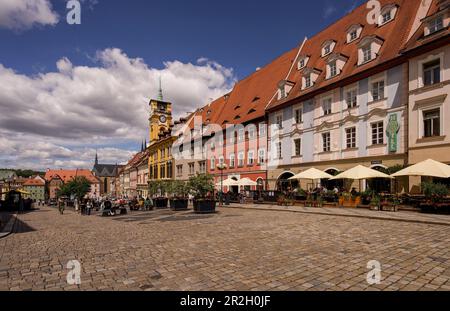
[160,116]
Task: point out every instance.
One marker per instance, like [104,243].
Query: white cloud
[105,105]
[24,14]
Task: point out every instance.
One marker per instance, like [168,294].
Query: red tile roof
[394,35]
[34,182]
[68,175]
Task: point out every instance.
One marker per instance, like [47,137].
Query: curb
[8,229]
[342,215]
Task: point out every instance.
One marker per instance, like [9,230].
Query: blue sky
[241,34]
[67,91]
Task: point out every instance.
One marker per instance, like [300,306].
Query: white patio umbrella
[247,182]
[430,168]
[312,174]
[227,183]
[361,172]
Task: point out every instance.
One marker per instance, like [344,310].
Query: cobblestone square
[235,249]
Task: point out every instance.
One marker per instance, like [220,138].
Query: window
[367,53]
[333,69]
[191,168]
[279,121]
[326,106]
[241,159]
[169,170]
[262,129]
[221,161]
[378,133]
[436,24]
[213,163]
[432,123]
[327,50]
[351,137]
[301,63]
[163,171]
[353,35]
[298,115]
[326,142]
[232,160]
[378,90]
[351,99]
[233,137]
[308,81]
[386,17]
[163,153]
[298,147]
[432,72]
[251,158]
[202,166]
[251,132]
[279,150]
[241,136]
[179,171]
[261,156]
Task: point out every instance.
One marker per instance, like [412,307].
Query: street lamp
[221,167]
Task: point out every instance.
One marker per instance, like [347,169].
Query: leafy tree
[79,187]
[201,185]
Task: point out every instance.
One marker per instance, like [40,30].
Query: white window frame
[378,133]
[308,81]
[279,117]
[298,109]
[367,53]
[213,163]
[333,69]
[262,129]
[241,134]
[327,101]
[261,154]
[250,157]
[346,140]
[232,160]
[433,25]
[439,105]
[347,92]
[294,147]
[323,142]
[428,59]
[377,79]
[241,159]
[221,160]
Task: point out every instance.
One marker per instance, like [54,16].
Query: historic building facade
[106,173]
[35,187]
[56,178]
[160,160]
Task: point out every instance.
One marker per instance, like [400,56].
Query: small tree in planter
[375,203]
[202,188]
[434,194]
[178,191]
[158,190]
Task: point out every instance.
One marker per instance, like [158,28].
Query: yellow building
[160,163]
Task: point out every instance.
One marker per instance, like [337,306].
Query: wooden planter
[204,206]
[349,202]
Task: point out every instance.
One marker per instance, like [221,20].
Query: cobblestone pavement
[234,249]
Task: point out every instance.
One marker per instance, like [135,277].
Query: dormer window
[328,47]
[302,62]
[387,14]
[436,24]
[308,81]
[284,87]
[354,32]
[310,76]
[336,63]
[368,49]
[333,69]
[367,53]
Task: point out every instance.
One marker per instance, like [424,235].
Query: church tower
[160,116]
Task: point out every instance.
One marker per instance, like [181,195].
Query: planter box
[389,208]
[179,204]
[349,202]
[161,202]
[204,206]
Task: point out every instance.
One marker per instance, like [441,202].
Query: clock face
[162,119]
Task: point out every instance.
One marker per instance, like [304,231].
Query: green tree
[201,185]
[79,187]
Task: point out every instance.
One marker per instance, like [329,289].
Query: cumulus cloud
[24,14]
[77,106]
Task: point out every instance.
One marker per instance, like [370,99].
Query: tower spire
[96,158]
[160,92]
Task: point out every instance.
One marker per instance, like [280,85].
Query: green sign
[392,133]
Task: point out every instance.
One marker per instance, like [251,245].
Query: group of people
[140,203]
